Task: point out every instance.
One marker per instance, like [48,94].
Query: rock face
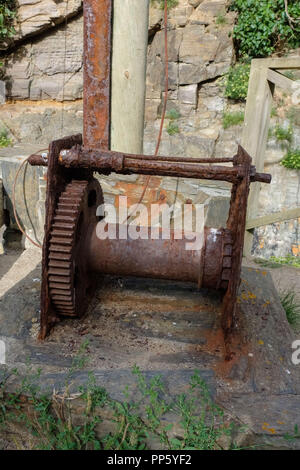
[36,16]
[43,82]
[48,68]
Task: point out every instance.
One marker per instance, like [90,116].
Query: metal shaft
[105,162]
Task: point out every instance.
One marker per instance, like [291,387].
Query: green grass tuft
[53,425]
[173,114]
[172,128]
[291,307]
[282,133]
[233,119]
[221,19]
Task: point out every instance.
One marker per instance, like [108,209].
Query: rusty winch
[72,252]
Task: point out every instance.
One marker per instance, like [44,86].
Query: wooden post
[130,40]
[264,75]
[255,132]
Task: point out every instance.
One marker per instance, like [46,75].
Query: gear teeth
[61,247]
[63,226]
[58,278]
[61,241]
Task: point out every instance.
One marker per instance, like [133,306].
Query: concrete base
[171,329]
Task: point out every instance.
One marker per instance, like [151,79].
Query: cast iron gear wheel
[69,280]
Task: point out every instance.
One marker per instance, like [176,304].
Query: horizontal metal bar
[106,162]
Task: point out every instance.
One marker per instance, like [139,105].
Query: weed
[7,15]
[173,114]
[5,141]
[233,119]
[221,19]
[172,128]
[277,262]
[237,82]
[291,159]
[282,133]
[291,307]
[273,112]
[51,424]
[294,436]
[290,74]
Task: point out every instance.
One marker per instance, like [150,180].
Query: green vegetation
[233,119]
[291,307]
[292,159]
[277,262]
[221,19]
[161,3]
[237,82]
[273,112]
[282,133]
[288,260]
[173,114]
[7,15]
[294,436]
[51,422]
[4,140]
[293,114]
[290,74]
[263,26]
[172,128]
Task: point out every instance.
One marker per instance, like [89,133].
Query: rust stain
[216,265]
[97,72]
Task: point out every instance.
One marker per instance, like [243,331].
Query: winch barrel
[201,259]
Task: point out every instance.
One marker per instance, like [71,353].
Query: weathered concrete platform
[171,329]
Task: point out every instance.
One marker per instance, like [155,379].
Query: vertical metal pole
[97,72]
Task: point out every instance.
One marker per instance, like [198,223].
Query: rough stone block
[192,73]
[41,70]
[157,48]
[198,47]
[35,16]
[188,94]
[195,3]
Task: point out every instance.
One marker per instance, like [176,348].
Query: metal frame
[69,161]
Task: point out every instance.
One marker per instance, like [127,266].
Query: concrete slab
[167,328]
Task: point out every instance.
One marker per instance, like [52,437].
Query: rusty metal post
[97,73]
[236,223]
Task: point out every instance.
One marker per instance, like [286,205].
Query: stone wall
[43,77]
